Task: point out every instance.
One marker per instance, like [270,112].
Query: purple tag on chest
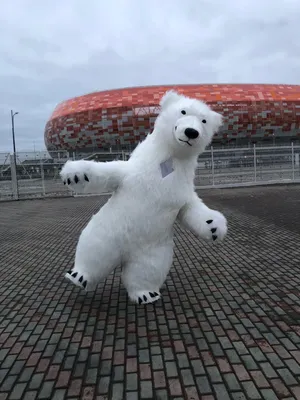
[166,167]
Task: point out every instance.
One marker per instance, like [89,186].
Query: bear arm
[202,221]
[85,176]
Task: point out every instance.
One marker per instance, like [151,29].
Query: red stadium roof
[150,95]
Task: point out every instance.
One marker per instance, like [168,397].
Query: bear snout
[191,133]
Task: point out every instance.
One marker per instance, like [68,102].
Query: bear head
[185,125]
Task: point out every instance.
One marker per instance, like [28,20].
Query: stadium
[119,119]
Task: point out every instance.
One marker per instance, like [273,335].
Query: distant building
[119,119]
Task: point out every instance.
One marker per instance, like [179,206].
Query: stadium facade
[120,118]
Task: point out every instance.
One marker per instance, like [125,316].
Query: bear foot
[145,296]
[215,227]
[213,230]
[78,279]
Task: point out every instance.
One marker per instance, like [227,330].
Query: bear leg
[145,273]
[96,256]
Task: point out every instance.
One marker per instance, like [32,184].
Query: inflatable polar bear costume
[151,190]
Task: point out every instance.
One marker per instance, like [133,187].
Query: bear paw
[78,279]
[75,176]
[215,227]
[145,297]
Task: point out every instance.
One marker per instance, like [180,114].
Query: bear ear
[216,120]
[171,96]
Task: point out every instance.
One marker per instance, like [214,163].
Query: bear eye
[204,121]
[183,112]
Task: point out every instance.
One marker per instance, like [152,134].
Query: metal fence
[37,174]
[31,175]
[248,166]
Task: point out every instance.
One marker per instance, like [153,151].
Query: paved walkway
[228,326]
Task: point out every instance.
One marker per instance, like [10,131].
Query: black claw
[152,294]
[140,300]
[213,230]
[145,297]
[69,272]
[84,284]
[75,274]
[209,221]
[86,178]
[214,237]
[76,179]
[69,181]
[155,294]
[81,279]
[65,182]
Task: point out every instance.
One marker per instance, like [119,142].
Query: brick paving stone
[79,370]
[132,396]
[146,390]
[232,382]
[214,374]
[131,381]
[46,390]
[249,362]
[287,377]
[161,395]
[223,364]
[117,391]
[198,367]
[241,372]
[18,391]
[160,380]
[269,394]
[293,366]
[175,387]
[91,376]
[228,325]
[103,385]
[268,370]
[238,396]
[221,392]
[106,367]
[157,362]
[191,393]
[118,373]
[251,390]
[296,391]
[75,387]
[59,394]
[279,387]
[259,379]
[131,364]
[203,385]
[171,369]
[36,381]
[63,379]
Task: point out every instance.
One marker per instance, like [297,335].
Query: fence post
[212,165]
[254,160]
[14,179]
[42,174]
[293,162]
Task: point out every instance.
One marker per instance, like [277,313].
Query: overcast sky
[54,50]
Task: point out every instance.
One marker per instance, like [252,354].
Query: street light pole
[14,144]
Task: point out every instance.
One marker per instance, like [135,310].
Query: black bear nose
[191,133]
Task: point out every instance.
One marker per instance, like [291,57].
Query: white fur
[135,227]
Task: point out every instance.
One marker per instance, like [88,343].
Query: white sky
[54,50]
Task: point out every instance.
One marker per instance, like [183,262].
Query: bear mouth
[186,141]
